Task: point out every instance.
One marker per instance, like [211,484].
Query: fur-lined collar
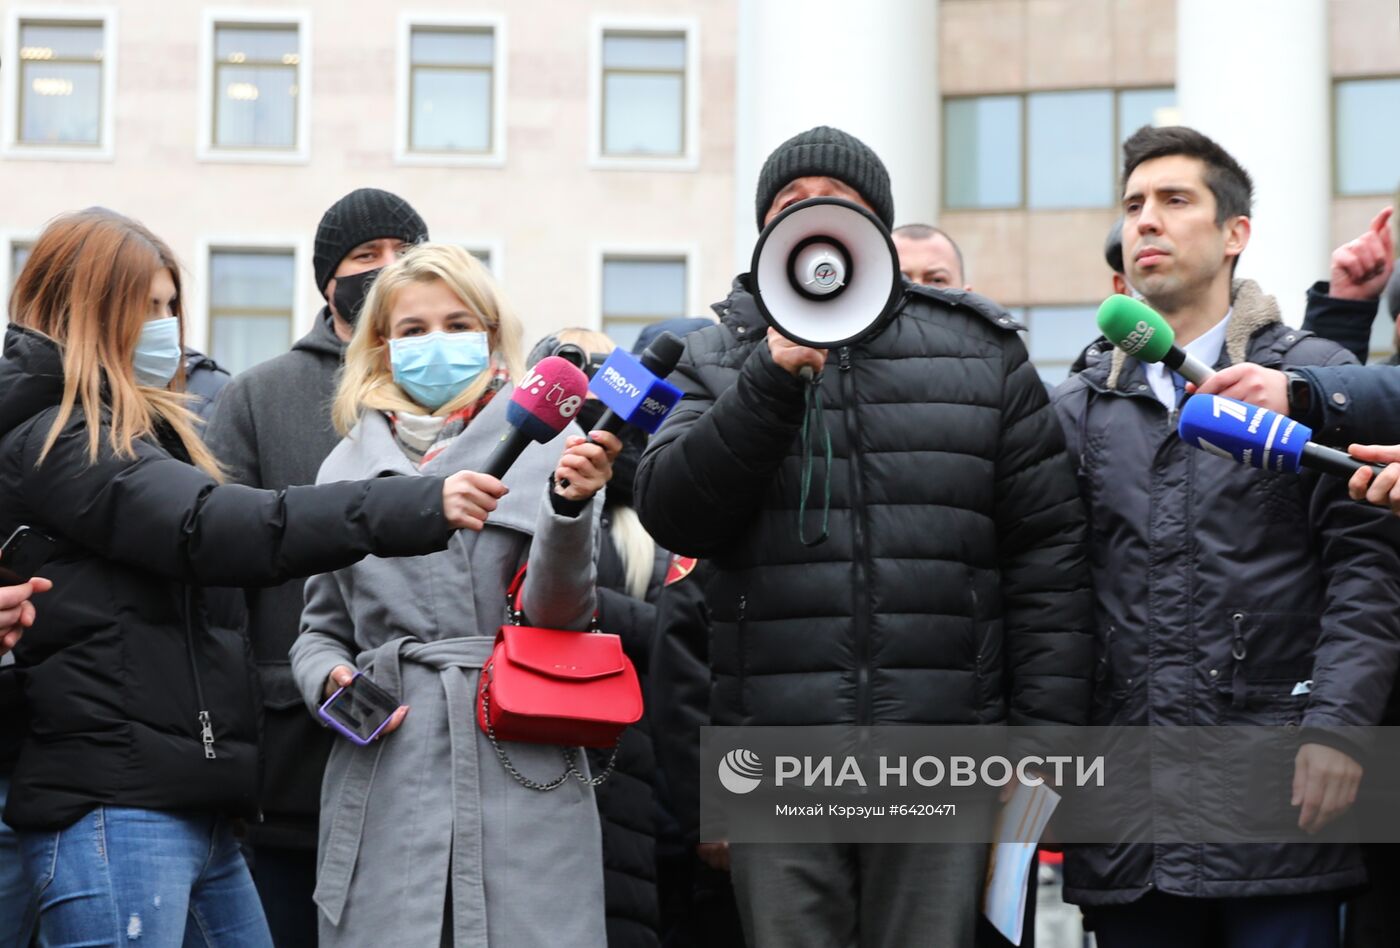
[1253,309]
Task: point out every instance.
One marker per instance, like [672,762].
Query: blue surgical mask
[435,368]
[158,352]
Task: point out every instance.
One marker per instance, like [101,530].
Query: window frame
[1024,95]
[210,20]
[11,146]
[1335,152]
[199,324]
[8,240]
[403,91]
[689,157]
[603,253]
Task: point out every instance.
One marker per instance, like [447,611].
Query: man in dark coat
[952,587]
[272,429]
[1225,595]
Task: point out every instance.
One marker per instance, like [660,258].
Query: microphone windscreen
[1135,327]
[547,398]
[664,354]
[1245,433]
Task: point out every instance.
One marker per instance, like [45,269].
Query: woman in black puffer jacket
[141,741]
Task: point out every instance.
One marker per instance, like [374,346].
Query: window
[1070,149]
[61,83]
[19,254]
[16,253]
[1043,150]
[1367,146]
[1139,107]
[645,87]
[251,303]
[638,291]
[1056,335]
[451,89]
[982,152]
[255,86]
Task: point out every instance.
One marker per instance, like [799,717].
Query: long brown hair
[87,286]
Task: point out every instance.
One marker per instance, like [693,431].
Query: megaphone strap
[812,418]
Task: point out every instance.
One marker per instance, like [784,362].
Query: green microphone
[1140,331]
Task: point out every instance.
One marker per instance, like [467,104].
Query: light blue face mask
[435,368]
[158,352]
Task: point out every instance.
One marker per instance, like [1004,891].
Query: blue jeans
[16,893]
[146,878]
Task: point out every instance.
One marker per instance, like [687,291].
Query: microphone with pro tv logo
[635,391]
[1259,438]
[543,404]
[1140,331]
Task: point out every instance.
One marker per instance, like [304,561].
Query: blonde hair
[87,286]
[635,547]
[367,381]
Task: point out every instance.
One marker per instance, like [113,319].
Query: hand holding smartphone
[361,710]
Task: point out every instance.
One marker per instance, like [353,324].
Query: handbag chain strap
[570,753]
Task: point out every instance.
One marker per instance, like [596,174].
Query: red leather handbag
[549,686]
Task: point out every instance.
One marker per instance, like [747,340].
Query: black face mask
[634,442]
[350,293]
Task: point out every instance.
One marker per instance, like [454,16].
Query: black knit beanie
[830,153]
[363,214]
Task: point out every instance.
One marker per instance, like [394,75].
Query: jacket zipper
[862,625]
[206,725]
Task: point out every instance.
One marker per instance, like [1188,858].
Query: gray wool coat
[424,837]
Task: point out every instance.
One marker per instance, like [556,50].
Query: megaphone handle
[806,373]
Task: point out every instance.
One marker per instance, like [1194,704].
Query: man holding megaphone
[1226,595]
[876,475]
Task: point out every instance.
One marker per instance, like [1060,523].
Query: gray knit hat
[363,214]
[831,153]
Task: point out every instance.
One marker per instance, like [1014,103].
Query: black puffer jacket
[627,801]
[123,656]
[1197,559]
[953,587]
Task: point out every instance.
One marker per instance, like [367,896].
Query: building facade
[602,158]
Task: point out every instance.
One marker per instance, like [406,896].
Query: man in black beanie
[272,429]
[952,587]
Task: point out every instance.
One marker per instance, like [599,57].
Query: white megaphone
[825,273]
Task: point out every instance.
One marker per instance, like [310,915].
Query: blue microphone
[636,391]
[1259,438]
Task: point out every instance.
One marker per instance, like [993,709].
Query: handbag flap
[579,656]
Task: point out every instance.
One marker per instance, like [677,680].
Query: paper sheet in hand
[1023,818]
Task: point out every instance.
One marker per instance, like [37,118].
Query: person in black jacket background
[952,587]
[141,739]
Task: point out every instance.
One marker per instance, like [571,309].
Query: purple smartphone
[360,710]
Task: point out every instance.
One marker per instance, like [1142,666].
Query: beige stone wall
[546,208]
[1047,257]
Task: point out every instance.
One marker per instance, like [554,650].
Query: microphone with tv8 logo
[1140,331]
[1259,438]
[542,405]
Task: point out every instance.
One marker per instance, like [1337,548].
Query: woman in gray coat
[425,838]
